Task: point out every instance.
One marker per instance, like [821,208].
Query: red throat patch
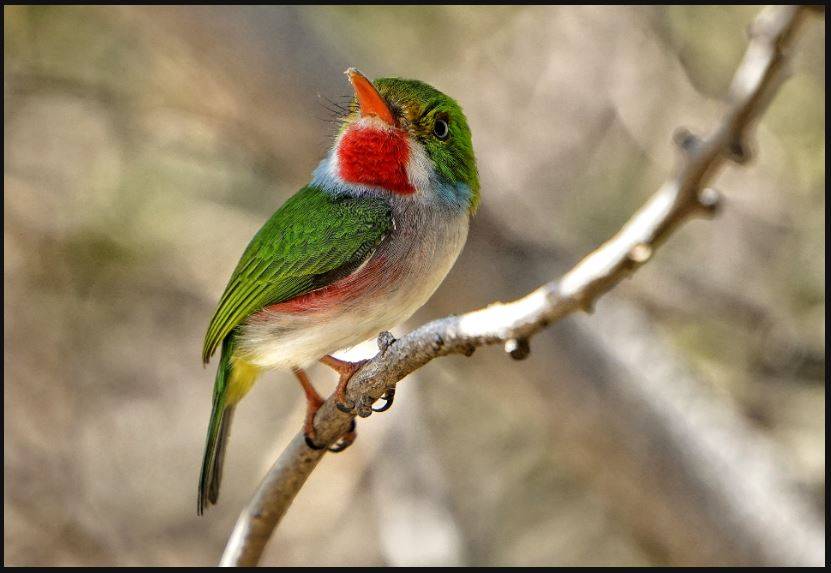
[378,157]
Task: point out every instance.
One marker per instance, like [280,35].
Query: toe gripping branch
[345,371]
[343,442]
[388,397]
[347,408]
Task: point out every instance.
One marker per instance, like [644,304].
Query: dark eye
[441,129]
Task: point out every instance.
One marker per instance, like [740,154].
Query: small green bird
[356,251]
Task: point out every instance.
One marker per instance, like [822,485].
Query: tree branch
[512,324]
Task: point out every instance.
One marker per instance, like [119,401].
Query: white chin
[419,167]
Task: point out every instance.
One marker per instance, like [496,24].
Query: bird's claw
[345,406]
[345,440]
[345,370]
[388,398]
[311,443]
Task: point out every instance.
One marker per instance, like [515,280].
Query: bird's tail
[233,379]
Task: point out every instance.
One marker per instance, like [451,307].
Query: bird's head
[407,138]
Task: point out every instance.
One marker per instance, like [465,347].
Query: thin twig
[512,324]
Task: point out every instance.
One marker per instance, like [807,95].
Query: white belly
[420,257]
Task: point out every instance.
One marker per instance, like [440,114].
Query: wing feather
[312,234]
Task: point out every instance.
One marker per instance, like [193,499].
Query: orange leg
[346,370]
[313,404]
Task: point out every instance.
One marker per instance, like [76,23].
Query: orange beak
[371,102]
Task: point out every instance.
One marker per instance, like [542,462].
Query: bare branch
[512,324]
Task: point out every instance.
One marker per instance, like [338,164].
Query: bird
[356,251]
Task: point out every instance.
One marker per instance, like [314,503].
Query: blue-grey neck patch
[454,195]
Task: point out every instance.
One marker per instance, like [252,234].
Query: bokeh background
[683,422]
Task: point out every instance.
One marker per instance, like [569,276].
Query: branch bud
[738,152]
[709,200]
[385,340]
[640,253]
[518,348]
[686,140]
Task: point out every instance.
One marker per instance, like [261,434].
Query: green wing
[303,246]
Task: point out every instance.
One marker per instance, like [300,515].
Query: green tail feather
[218,429]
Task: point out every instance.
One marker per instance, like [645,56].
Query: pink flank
[324,298]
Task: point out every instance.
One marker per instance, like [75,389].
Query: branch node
[586,302]
[385,340]
[738,152]
[518,348]
[640,253]
[709,201]
[686,140]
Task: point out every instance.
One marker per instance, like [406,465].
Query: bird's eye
[441,129]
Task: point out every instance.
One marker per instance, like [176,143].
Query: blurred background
[682,422]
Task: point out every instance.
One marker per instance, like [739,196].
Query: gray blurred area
[681,423]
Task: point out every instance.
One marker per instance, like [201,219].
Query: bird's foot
[313,404]
[346,370]
[388,398]
[311,443]
[343,442]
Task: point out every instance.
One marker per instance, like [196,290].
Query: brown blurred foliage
[145,145]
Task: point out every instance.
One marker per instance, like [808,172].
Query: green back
[301,247]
